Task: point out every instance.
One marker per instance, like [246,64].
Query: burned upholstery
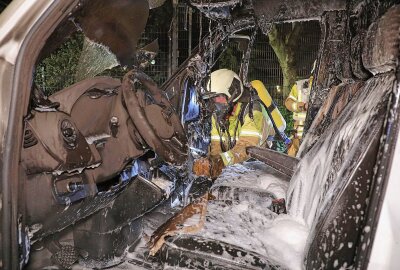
[328,192]
[69,152]
[338,98]
[381,47]
[368,108]
[110,23]
[251,181]
[88,109]
[278,11]
[237,223]
[68,96]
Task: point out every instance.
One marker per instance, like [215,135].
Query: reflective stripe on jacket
[297,94]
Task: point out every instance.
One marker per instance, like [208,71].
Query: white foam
[281,239]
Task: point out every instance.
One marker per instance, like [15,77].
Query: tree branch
[294,35]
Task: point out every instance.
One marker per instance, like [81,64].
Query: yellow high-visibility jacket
[298,94]
[253,132]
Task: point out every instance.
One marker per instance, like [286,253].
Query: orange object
[202,167]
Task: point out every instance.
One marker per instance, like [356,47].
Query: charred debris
[110,182]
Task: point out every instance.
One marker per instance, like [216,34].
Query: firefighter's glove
[217,164]
[278,206]
[201,167]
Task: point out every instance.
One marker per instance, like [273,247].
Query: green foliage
[228,59]
[288,116]
[115,72]
[56,71]
[279,146]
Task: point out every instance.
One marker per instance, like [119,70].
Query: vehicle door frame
[28,29]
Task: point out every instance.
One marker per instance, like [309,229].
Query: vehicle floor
[243,190]
[136,255]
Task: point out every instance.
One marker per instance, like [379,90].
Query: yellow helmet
[225,81]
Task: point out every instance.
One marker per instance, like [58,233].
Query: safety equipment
[266,98]
[247,124]
[300,93]
[270,110]
[221,110]
[242,131]
[295,102]
[227,82]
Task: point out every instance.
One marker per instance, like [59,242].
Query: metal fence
[267,66]
[264,64]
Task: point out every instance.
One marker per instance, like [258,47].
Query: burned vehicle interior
[107,161]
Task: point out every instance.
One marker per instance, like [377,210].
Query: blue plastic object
[193,107]
[130,172]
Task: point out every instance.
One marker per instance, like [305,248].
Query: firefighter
[235,124]
[297,102]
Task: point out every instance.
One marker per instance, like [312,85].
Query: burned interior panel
[359,16]
[87,166]
[334,185]
[108,161]
[353,172]
[276,11]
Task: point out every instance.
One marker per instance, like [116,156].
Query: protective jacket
[243,131]
[300,92]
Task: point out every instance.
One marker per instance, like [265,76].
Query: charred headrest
[381,45]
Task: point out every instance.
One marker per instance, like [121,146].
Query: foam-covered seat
[251,181]
[327,194]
